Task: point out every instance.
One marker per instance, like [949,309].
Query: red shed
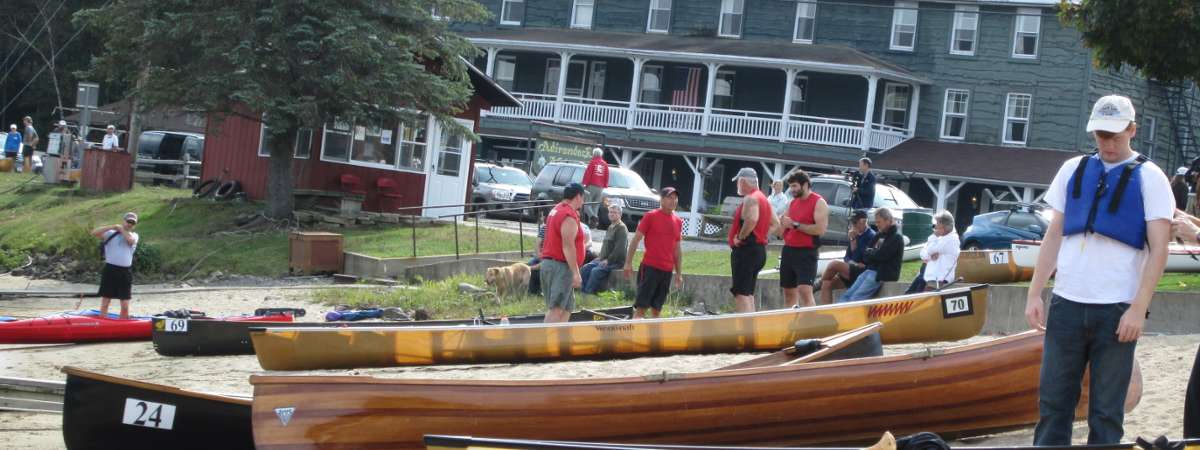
[396,164]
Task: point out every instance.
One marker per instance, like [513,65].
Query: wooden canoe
[439,442]
[103,412]
[990,266]
[926,317]
[965,390]
[209,338]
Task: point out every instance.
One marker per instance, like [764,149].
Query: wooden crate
[315,252]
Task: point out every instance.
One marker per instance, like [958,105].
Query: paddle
[606,316]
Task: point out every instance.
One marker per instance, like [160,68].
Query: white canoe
[1183,258]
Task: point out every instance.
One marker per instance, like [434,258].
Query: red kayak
[91,327]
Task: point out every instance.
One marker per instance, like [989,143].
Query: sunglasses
[131,222]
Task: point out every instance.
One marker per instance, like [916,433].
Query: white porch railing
[690,119]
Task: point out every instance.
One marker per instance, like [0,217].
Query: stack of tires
[218,190]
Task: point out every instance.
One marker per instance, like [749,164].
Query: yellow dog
[509,279]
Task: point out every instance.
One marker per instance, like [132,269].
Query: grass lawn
[442,300]
[178,231]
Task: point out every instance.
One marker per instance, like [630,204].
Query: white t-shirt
[118,252]
[110,142]
[946,247]
[780,201]
[1093,268]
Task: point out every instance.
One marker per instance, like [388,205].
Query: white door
[446,176]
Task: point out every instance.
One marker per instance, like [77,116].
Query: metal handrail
[476,214]
[418,208]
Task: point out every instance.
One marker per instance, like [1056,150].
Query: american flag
[688,78]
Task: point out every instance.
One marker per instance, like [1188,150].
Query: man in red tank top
[562,254]
[801,227]
[752,223]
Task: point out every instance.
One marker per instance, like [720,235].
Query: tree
[1159,38]
[291,63]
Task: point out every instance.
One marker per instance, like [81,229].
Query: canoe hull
[68,328]
[927,317]
[973,389]
[212,338]
[1181,259]
[99,412]
[991,266]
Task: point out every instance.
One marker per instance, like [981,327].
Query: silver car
[497,186]
[915,221]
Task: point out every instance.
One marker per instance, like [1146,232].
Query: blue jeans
[593,274]
[1079,335]
[864,287]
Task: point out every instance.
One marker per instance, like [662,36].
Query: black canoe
[103,412]
[213,337]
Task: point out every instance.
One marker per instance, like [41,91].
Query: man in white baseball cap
[1107,240]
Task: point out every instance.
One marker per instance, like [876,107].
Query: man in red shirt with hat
[663,232]
[753,221]
[562,254]
[595,179]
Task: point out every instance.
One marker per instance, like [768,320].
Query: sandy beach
[1165,361]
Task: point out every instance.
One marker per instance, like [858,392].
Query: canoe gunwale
[969,288]
[463,442]
[168,390]
[662,377]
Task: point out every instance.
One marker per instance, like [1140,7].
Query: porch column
[635,93]
[776,170]
[564,60]
[942,192]
[1027,195]
[697,192]
[787,104]
[708,96]
[490,70]
[870,116]
[912,110]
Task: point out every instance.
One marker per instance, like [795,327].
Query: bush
[11,259]
[147,259]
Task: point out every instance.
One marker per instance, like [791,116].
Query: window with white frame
[723,90]
[806,22]
[511,12]
[651,85]
[731,18]
[660,16]
[336,144]
[1016,118]
[1025,34]
[954,114]
[895,104]
[302,146]
[1148,131]
[506,71]
[966,29]
[799,94]
[904,26]
[392,145]
[581,13]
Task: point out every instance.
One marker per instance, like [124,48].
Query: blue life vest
[1096,202]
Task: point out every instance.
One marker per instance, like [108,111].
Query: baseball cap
[131,216]
[1181,171]
[62,123]
[572,190]
[668,191]
[746,172]
[858,214]
[1112,113]
[865,160]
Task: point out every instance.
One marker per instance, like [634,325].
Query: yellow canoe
[927,317]
[991,266]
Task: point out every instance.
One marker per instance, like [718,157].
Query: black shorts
[746,261]
[855,271]
[116,282]
[652,288]
[797,266]
[27,151]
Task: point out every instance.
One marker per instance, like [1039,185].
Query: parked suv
[625,188]
[916,222]
[998,229]
[169,145]
[496,186]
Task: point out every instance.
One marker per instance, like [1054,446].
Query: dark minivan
[169,145]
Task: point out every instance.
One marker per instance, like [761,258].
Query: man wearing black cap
[562,254]
[663,232]
[864,193]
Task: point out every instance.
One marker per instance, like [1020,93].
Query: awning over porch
[826,58]
[992,164]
